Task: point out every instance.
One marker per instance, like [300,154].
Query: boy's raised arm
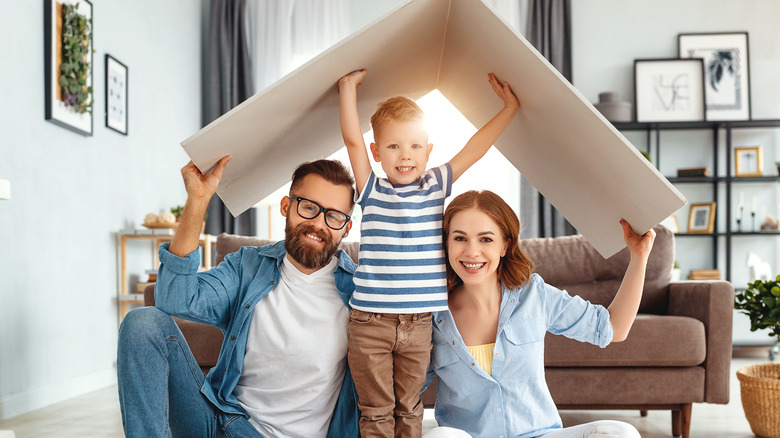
[480,142]
[350,127]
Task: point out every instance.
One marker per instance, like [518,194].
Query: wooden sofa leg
[676,423]
[643,412]
[681,421]
[686,420]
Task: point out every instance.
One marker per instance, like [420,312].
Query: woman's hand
[638,246]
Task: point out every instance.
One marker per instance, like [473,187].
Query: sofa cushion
[621,389]
[571,263]
[228,243]
[654,341]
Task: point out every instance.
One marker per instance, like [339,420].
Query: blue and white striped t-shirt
[401,265]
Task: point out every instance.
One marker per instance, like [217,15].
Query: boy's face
[402,148]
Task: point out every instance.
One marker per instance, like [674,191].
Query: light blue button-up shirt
[514,401]
[225,297]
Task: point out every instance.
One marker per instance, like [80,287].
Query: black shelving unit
[718,178]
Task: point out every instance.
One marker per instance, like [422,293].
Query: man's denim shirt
[225,297]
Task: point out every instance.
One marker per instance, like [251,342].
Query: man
[282,368]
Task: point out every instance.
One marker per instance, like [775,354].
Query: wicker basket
[760,388]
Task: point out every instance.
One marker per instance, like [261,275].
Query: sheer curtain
[289,33]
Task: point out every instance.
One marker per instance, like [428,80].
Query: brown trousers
[389,356]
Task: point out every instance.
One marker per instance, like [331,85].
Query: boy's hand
[352,79]
[638,245]
[504,91]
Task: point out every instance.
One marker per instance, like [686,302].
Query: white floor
[97,415]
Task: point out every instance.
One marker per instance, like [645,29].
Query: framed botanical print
[68,64]
[727,71]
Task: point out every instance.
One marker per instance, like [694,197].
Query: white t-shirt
[296,355]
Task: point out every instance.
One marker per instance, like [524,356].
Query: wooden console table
[157,237]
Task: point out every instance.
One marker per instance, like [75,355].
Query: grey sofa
[678,352]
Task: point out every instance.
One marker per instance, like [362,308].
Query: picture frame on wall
[669,90]
[68,64]
[701,219]
[748,161]
[117,76]
[727,71]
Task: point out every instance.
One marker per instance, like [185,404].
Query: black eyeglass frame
[322,209]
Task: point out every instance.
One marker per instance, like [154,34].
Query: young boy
[401,276]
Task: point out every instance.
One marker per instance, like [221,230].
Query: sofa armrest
[149,295]
[712,303]
[204,340]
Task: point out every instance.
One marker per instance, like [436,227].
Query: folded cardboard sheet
[558,140]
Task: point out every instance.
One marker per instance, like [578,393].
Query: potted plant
[179,209]
[760,383]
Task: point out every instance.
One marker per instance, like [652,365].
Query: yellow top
[484,356]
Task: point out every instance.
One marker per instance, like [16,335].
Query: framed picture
[68,64]
[667,90]
[727,71]
[672,224]
[748,161]
[702,218]
[116,95]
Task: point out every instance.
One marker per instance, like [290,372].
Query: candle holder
[739,219]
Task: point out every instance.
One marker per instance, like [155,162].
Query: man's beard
[306,254]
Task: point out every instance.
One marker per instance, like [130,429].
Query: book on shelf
[152,275]
[142,286]
[693,172]
[704,274]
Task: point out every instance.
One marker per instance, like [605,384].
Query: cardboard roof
[558,140]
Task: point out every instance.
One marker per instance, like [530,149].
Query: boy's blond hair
[399,108]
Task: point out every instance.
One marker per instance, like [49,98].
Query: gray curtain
[549,30]
[228,81]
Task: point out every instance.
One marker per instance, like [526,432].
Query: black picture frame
[669,90]
[55,109]
[117,76]
[727,71]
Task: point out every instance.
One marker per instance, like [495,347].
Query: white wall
[609,34]
[70,194]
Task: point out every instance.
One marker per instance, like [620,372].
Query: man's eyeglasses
[309,209]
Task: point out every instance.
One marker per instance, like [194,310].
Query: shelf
[643,126]
[753,179]
[132,298]
[694,179]
[721,179]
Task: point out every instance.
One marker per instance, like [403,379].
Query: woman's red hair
[516,267]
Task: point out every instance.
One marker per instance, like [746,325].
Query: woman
[489,346]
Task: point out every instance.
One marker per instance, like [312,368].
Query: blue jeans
[160,381]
